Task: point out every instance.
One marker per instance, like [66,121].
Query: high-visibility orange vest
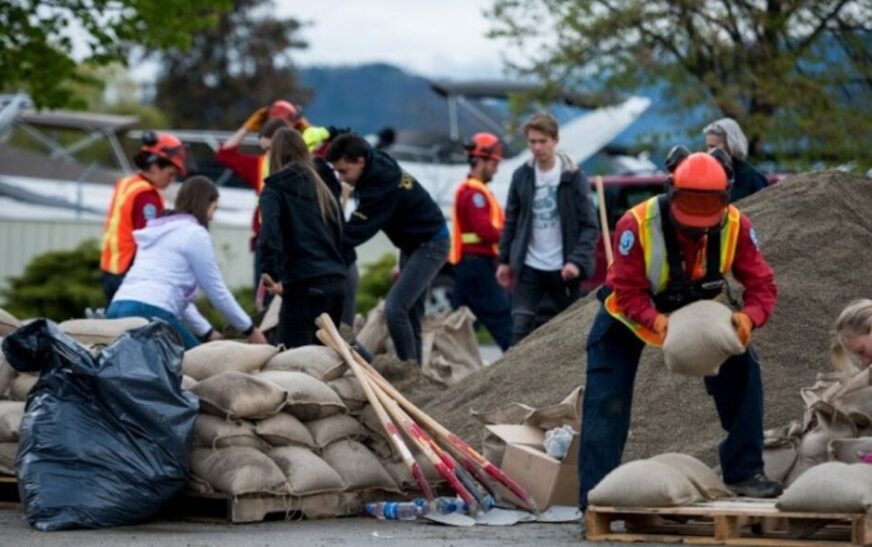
[262,173]
[118,245]
[647,215]
[458,236]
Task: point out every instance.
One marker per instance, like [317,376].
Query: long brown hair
[195,197]
[288,147]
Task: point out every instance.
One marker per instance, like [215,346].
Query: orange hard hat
[284,110]
[699,191]
[486,146]
[165,146]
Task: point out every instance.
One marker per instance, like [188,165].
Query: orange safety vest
[118,245]
[647,215]
[458,237]
[262,173]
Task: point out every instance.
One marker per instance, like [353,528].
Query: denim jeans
[530,286]
[404,306]
[475,285]
[612,359]
[302,303]
[132,308]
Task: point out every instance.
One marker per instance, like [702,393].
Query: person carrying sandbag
[673,250]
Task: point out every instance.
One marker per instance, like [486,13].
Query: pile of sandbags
[11,413]
[293,423]
[837,426]
[450,349]
[667,480]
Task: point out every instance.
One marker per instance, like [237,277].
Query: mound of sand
[814,229]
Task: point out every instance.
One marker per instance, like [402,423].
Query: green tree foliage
[375,282]
[42,44]
[796,74]
[241,64]
[58,285]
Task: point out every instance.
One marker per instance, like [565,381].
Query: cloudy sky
[444,38]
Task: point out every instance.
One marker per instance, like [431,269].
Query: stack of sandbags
[449,346]
[837,426]
[280,423]
[11,412]
[667,480]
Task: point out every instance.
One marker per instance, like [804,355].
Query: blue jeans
[132,308]
[475,285]
[404,306]
[612,359]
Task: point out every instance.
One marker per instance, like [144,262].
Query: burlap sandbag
[449,347]
[319,361]
[283,430]
[358,467]
[305,472]
[8,322]
[699,338]
[21,386]
[374,333]
[328,430]
[821,429]
[778,461]
[11,413]
[8,451]
[349,390]
[308,397]
[238,470]
[216,432]
[188,382]
[832,487]
[100,331]
[644,483]
[220,356]
[849,450]
[271,317]
[7,374]
[566,412]
[403,476]
[706,481]
[238,395]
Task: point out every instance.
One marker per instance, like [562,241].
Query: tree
[43,43]
[239,65]
[796,74]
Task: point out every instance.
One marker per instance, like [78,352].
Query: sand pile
[814,229]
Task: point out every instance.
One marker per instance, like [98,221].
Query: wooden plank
[759,509]
[861,531]
[727,527]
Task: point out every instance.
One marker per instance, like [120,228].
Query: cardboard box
[517,434]
[548,480]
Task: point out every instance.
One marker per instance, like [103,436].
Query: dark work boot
[757,486]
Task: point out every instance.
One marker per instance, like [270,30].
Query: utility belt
[681,293]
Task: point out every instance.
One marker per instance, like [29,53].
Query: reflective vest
[315,136]
[262,173]
[458,236]
[118,245]
[653,243]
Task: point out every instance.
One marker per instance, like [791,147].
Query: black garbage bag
[104,441]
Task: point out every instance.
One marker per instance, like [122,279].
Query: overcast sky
[443,38]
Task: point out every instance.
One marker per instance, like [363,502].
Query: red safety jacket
[476,221]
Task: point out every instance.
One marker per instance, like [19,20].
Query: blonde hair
[855,320]
[288,147]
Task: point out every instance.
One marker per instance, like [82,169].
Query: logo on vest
[626,243]
[478,200]
[149,211]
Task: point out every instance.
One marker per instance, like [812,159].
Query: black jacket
[746,180]
[391,200]
[578,224]
[296,243]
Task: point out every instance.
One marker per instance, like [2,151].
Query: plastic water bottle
[397,510]
[445,505]
[557,441]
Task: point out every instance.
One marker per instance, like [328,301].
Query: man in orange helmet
[675,249]
[136,200]
[476,224]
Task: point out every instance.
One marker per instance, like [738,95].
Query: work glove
[661,322]
[255,121]
[743,326]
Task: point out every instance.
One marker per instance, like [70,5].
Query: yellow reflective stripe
[127,187]
[730,238]
[642,332]
[314,136]
[470,238]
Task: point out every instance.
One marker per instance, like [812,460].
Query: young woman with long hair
[300,241]
[174,258]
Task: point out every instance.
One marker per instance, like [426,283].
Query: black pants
[530,286]
[302,303]
[475,285]
[111,283]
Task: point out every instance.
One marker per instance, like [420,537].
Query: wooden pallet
[257,508]
[9,493]
[729,522]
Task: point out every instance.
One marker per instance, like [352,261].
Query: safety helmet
[284,110]
[486,146]
[164,146]
[699,189]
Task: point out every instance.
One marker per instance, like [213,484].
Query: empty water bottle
[446,505]
[397,510]
[557,441]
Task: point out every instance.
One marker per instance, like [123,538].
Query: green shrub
[375,282]
[58,285]
[243,295]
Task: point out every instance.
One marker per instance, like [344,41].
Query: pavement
[14,531]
